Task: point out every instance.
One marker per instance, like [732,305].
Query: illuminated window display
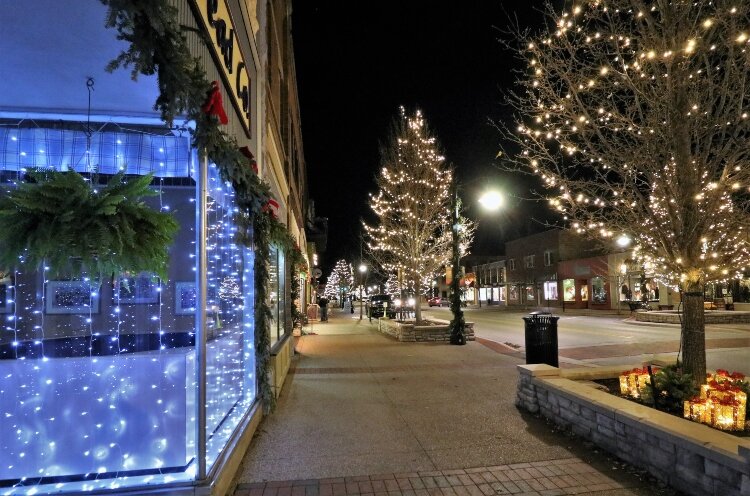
[530,293]
[550,290]
[513,293]
[276,294]
[599,290]
[569,290]
[97,377]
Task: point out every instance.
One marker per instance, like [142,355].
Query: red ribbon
[214,105]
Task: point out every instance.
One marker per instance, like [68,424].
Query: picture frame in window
[6,293]
[137,289]
[185,298]
[71,297]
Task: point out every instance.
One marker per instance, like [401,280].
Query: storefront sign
[217,22]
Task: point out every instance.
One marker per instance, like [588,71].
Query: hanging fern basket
[76,227]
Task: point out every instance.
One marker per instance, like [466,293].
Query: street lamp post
[623,241]
[620,278]
[362,270]
[490,200]
[458,324]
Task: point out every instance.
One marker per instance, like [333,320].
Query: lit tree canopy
[412,234]
[340,281]
[635,115]
[345,277]
[332,285]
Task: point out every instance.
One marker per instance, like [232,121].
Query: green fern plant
[670,388]
[73,227]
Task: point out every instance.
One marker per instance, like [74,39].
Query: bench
[638,305]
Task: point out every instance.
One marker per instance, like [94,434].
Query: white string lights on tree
[635,117]
[412,235]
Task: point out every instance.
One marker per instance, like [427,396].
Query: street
[585,340]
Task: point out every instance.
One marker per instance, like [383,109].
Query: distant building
[532,262]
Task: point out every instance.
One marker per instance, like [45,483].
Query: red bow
[272,206]
[214,105]
[250,158]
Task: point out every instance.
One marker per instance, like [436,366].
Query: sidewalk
[363,414]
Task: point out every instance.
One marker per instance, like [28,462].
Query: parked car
[437,301]
[381,305]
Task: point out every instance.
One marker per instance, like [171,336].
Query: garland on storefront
[157,46]
[299,265]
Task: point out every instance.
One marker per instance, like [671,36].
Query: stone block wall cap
[538,370]
[744,451]
[593,373]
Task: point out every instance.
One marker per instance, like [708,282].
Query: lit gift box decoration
[698,410]
[632,381]
[722,403]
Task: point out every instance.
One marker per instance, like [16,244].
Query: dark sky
[355,67]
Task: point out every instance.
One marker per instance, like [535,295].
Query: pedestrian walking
[323,303]
[351,303]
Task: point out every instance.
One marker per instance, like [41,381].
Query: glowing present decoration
[722,403]
[725,415]
[698,410]
[633,381]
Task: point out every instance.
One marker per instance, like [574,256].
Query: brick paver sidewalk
[437,420]
[545,478]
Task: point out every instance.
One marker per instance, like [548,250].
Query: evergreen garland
[158,46]
[298,264]
[263,313]
[75,228]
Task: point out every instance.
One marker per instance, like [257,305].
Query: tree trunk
[417,301]
[694,334]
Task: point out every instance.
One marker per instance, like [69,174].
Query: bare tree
[635,116]
[412,234]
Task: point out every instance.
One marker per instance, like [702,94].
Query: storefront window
[276,292]
[550,290]
[97,377]
[485,293]
[513,293]
[569,290]
[530,294]
[598,290]
[230,362]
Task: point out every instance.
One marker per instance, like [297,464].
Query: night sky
[355,67]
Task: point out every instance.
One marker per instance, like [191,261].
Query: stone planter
[711,316]
[439,330]
[690,457]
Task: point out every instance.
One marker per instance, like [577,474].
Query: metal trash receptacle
[540,331]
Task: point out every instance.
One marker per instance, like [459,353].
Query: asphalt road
[611,339]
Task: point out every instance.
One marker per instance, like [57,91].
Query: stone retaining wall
[408,332]
[690,457]
[712,317]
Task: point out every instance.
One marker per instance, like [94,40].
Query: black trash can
[541,338]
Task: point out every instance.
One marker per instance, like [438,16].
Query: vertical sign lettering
[218,24]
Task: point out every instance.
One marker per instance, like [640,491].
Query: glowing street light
[623,241]
[491,200]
